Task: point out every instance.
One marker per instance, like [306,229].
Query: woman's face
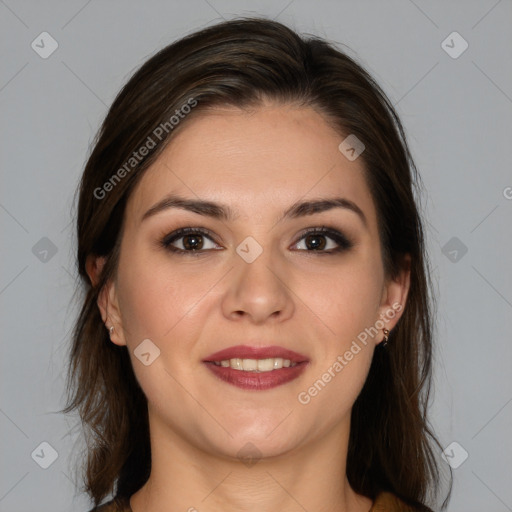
[252,277]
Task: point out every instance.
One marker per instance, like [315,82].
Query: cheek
[151,297]
[328,397]
[163,305]
[346,299]
[167,303]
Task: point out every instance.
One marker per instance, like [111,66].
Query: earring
[386,337]
[111,329]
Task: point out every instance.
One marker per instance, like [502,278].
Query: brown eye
[192,242]
[315,242]
[324,240]
[188,240]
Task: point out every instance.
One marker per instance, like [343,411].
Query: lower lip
[257,381]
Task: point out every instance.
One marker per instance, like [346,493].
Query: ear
[394,296]
[107,299]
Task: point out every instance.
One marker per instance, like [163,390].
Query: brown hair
[240,63]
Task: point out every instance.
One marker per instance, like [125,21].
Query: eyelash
[343,243]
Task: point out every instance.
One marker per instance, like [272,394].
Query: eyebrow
[225,212]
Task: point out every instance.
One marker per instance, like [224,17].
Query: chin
[257,441]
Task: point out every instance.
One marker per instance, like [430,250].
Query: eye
[317,240]
[195,241]
[189,240]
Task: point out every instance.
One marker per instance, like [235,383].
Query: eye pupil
[192,242]
[315,241]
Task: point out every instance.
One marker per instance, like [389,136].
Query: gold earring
[386,337]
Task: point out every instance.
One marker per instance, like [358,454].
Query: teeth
[236,364]
[265,365]
[256,365]
[249,365]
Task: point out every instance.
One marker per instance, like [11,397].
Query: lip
[251,352]
[252,380]
[257,381]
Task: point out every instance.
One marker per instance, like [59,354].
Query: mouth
[256,368]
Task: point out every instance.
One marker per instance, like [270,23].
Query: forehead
[259,161]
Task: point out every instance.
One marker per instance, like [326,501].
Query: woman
[256,330]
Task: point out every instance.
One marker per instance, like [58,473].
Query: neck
[184,477]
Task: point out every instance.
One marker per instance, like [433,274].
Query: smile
[256,365]
[256,368]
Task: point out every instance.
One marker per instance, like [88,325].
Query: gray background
[457,112]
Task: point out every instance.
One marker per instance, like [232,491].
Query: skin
[259,163]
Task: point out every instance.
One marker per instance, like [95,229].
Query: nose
[258,291]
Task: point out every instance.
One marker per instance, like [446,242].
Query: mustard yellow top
[385,502]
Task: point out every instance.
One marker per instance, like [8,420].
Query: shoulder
[388,502]
[118,504]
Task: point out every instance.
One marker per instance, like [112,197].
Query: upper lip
[252,352]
